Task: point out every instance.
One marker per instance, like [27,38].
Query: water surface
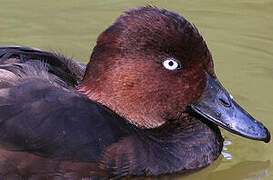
[239,35]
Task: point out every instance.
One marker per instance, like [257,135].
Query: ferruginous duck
[148,103]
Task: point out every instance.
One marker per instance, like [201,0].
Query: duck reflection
[247,170]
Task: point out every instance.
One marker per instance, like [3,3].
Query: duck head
[152,66]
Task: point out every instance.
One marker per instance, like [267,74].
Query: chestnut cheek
[194,87]
[180,94]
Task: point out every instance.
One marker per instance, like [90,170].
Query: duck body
[60,123]
[124,114]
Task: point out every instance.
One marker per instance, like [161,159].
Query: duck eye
[171,64]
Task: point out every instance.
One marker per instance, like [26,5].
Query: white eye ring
[171,64]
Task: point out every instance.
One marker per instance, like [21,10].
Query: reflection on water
[247,170]
[238,33]
[226,155]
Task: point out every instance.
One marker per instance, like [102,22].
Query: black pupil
[171,63]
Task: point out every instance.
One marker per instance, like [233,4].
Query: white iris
[171,64]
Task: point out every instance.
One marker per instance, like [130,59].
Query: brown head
[152,64]
[128,70]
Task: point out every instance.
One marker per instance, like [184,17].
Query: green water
[239,34]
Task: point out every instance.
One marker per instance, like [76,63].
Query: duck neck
[182,145]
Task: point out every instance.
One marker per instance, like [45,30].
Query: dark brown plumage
[128,115]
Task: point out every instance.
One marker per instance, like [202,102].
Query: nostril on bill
[224,102]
